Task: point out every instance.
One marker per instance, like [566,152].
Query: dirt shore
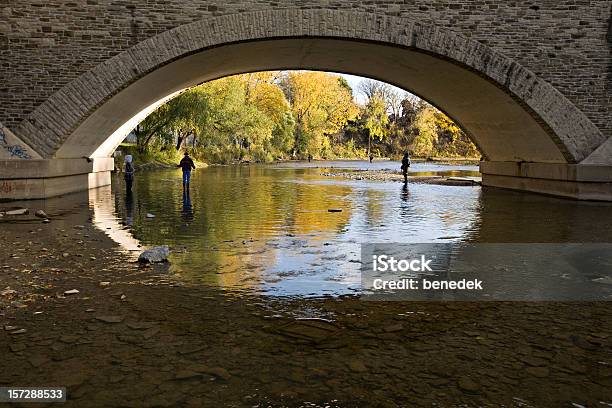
[133,337]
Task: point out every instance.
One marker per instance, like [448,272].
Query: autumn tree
[321,104]
[375,119]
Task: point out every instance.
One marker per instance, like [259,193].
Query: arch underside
[509,113]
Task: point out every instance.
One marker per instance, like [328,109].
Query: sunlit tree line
[276,115]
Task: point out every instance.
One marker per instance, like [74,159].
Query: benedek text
[424,284]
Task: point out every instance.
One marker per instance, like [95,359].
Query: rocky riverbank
[389,175]
[78,312]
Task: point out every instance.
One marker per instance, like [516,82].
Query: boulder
[155,254]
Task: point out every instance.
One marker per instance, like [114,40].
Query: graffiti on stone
[13,150]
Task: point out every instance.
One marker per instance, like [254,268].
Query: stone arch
[509,112]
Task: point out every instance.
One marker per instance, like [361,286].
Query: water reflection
[267,229]
[187,211]
[106,218]
[129,207]
[405,203]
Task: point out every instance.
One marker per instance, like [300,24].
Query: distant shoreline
[390,175]
[157,165]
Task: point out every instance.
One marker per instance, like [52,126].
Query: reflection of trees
[374,206]
[230,205]
[310,214]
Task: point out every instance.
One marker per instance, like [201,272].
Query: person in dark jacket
[187,165]
[129,172]
[405,165]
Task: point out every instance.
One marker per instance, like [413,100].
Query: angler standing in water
[405,165]
[187,165]
[128,172]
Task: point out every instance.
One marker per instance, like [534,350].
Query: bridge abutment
[36,179]
[576,181]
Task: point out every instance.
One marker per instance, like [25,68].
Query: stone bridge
[529,81]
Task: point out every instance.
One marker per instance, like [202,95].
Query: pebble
[147,334]
[186,374]
[110,319]
[539,372]
[20,211]
[218,372]
[191,350]
[71,292]
[468,385]
[140,325]
[115,378]
[394,328]
[533,361]
[38,360]
[357,366]
[41,214]
[17,347]
[69,339]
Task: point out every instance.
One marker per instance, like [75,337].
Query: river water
[251,309]
[267,229]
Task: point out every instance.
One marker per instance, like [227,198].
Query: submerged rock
[468,385]
[218,372]
[155,254]
[357,366]
[539,372]
[110,319]
[314,330]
